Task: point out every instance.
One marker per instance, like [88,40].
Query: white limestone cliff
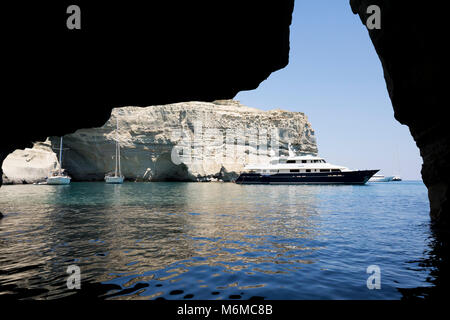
[30,165]
[190,141]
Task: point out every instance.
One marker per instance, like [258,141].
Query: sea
[173,240]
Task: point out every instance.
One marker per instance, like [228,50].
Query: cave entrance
[336,78]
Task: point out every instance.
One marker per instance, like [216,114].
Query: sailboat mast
[60,155]
[118,151]
[115,172]
[118,171]
[118,146]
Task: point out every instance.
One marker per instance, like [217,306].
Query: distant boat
[381,178]
[396,178]
[59,176]
[117,178]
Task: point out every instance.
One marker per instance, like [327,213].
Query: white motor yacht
[305,169]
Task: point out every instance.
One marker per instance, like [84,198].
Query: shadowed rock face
[130,52]
[410,47]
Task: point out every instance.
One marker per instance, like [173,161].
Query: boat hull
[346,177]
[114,180]
[58,180]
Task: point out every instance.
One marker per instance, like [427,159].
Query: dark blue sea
[215,240]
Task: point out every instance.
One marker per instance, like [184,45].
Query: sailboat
[117,178]
[59,176]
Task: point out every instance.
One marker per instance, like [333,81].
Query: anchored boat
[117,178]
[308,169]
[59,176]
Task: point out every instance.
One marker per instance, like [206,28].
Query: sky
[335,77]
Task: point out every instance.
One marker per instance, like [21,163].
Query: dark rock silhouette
[410,46]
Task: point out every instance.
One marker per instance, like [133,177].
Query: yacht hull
[114,180]
[58,180]
[346,177]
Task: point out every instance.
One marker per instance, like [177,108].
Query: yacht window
[335,170]
[308,170]
[304,161]
[295,170]
[290,161]
[324,170]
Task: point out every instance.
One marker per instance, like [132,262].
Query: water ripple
[213,240]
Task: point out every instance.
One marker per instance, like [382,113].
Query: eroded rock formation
[210,141]
[30,165]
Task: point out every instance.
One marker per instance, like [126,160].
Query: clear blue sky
[335,77]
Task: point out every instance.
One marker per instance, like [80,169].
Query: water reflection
[436,259]
[196,240]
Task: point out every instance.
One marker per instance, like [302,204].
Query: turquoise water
[214,240]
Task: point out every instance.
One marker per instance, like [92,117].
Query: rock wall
[191,141]
[410,45]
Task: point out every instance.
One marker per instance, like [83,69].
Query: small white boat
[59,177]
[117,178]
[58,180]
[113,180]
[380,178]
[396,178]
